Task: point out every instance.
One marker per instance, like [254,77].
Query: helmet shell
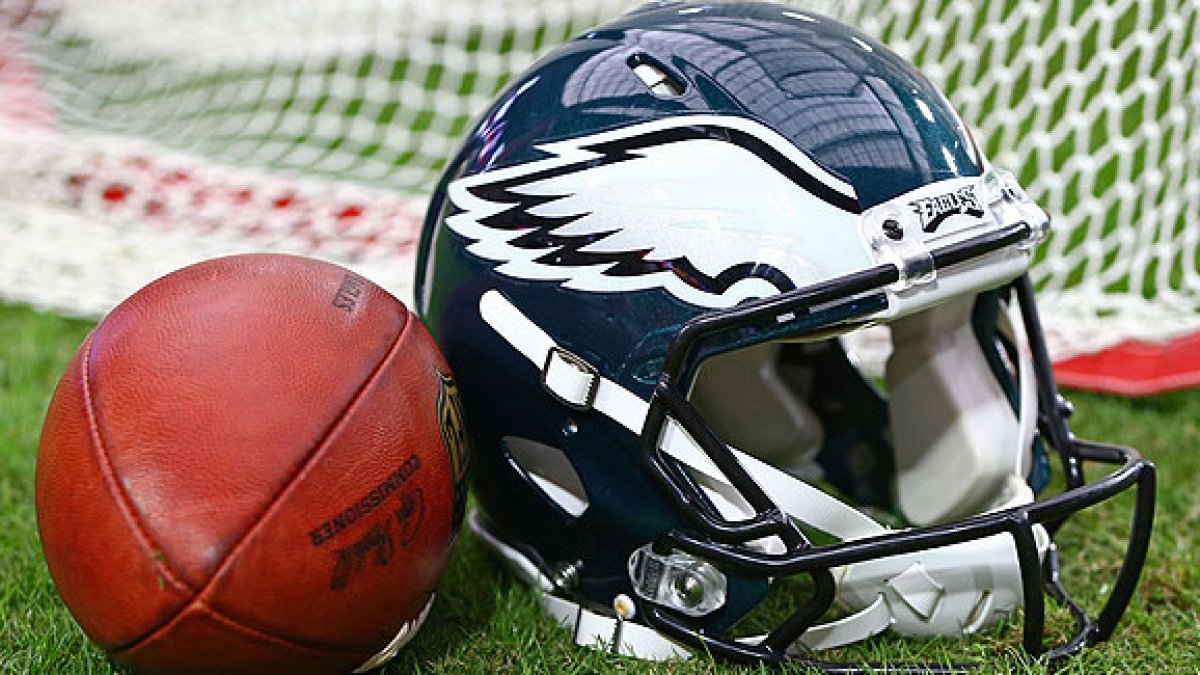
[840,97]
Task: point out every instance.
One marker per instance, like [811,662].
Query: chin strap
[588,628]
[574,382]
[617,633]
[902,591]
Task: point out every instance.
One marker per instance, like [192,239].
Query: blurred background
[140,136]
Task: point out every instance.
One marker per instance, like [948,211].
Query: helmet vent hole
[656,78]
[548,469]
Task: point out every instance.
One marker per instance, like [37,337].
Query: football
[255,464]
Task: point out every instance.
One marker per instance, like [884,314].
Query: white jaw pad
[950,591]
[956,438]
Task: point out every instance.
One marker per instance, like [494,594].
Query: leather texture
[242,470]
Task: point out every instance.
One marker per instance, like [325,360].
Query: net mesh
[143,136]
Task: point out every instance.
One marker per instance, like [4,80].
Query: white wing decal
[714,210]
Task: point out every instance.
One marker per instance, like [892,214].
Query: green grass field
[484,622]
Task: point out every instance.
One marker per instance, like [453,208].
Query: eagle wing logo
[713,209]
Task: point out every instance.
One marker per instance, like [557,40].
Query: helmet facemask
[935,579]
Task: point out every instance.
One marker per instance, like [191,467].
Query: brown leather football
[254,464]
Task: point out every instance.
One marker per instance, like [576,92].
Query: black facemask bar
[721,541]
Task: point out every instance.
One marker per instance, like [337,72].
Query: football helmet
[642,266]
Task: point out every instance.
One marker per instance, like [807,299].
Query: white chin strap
[953,590]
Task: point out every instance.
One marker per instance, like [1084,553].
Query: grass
[484,622]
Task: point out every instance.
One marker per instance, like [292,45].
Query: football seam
[199,595]
[124,502]
[240,627]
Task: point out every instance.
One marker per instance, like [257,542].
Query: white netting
[1096,105]
[139,136]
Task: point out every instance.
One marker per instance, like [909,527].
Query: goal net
[138,137]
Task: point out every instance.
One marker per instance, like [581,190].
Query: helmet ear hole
[548,470]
